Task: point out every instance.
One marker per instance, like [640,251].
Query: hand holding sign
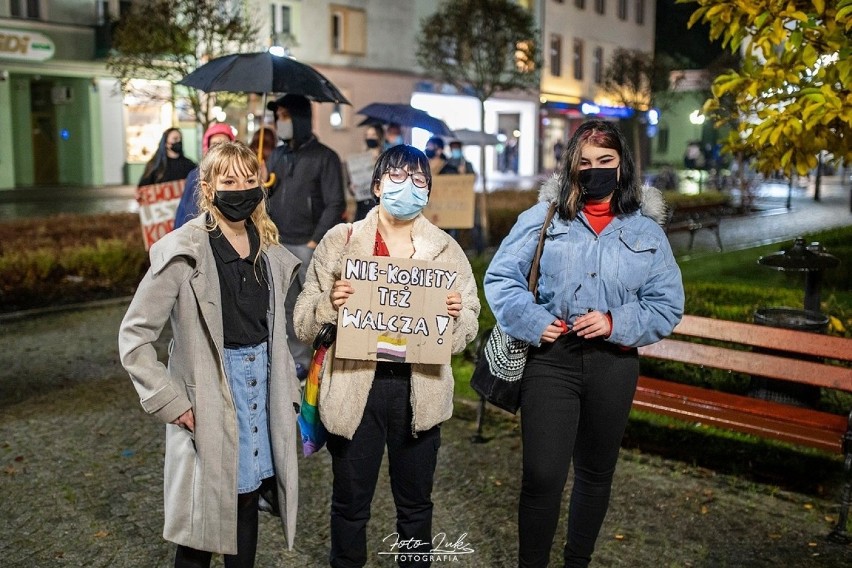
[398,310]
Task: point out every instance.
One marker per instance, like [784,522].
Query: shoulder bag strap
[533,279]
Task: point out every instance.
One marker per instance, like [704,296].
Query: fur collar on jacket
[653,204]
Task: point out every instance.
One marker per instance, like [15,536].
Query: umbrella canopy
[474,137]
[263,73]
[404,115]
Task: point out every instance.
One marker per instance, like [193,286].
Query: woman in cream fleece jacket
[366,405]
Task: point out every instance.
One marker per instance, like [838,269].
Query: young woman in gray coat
[229,393]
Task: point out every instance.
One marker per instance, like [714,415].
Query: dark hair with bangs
[400,157]
[602,134]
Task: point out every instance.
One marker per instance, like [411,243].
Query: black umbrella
[263,73]
[404,115]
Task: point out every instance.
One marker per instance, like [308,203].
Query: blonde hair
[219,160]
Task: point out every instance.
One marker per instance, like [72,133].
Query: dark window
[578,59]
[599,64]
[600,6]
[640,12]
[581,4]
[556,55]
[622,9]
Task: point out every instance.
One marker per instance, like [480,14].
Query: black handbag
[501,358]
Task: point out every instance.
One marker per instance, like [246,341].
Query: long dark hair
[399,157]
[602,134]
[158,162]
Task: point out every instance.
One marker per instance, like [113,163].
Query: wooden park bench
[693,218]
[798,357]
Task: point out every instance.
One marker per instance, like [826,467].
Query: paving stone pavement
[81,472]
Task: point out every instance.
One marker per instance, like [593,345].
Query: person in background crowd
[188,206]
[373,136]
[228,393]
[437,160]
[393,136]
[463,166]
[369,405]
[168,163]
[608,284]
[306,199]
[270,141]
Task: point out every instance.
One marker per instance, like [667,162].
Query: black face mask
[597,183]
[372,143]
[430,153]
[238,205]
[177,147]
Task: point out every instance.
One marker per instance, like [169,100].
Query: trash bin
[783,391]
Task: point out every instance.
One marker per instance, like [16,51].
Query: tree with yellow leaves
[790,100]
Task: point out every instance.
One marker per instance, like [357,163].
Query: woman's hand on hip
[454,304]
[186,421]
[340,292]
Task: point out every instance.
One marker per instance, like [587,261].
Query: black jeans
[186,557]
[356,463]
[575,399]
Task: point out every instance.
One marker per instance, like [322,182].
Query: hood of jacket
[653,205]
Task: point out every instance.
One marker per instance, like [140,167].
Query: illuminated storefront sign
[21,44]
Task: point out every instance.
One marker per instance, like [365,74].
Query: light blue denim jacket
[628,270]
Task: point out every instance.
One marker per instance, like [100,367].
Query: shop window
[30,9]
[348,30]
[622,9]
[600,6]
[578,59]
[598,62]
[556,55]
[640,12]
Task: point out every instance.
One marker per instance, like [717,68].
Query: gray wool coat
[182,286]
[346,383]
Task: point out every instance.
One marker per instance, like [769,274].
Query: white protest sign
[158,203]
[398,311]
[360,168]
[451,201]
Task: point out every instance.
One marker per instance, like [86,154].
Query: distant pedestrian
[438,161]
[608,284]
[373,136]
[228,393]
[307,198]
[188,207]
[270,141]
[168,163]
[457,160]
[393,136]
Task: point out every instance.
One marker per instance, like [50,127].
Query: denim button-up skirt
[248,374]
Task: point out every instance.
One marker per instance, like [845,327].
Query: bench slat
[751,416]
[802,342]
[761,364]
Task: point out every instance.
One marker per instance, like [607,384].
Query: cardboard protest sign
[157,206]
[451,201]
[360,168]
[398,311]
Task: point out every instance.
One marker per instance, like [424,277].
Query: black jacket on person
[307,198]
[176,168]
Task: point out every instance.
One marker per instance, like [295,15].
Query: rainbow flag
[312,430]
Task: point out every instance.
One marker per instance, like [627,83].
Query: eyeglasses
[399,175]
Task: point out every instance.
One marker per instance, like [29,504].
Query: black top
[245,290]
[176,169]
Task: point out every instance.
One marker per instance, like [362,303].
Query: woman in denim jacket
[609,284]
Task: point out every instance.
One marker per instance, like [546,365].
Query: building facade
[71,125]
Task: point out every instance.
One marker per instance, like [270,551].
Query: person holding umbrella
[306,198]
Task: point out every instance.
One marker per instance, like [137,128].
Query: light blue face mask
[403,200]
[456,153]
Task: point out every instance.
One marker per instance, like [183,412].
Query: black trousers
[186,557]
[575,399]
[356,464]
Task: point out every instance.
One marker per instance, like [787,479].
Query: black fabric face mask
[597,183]
[177,147]
[372,143]
[238,205]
